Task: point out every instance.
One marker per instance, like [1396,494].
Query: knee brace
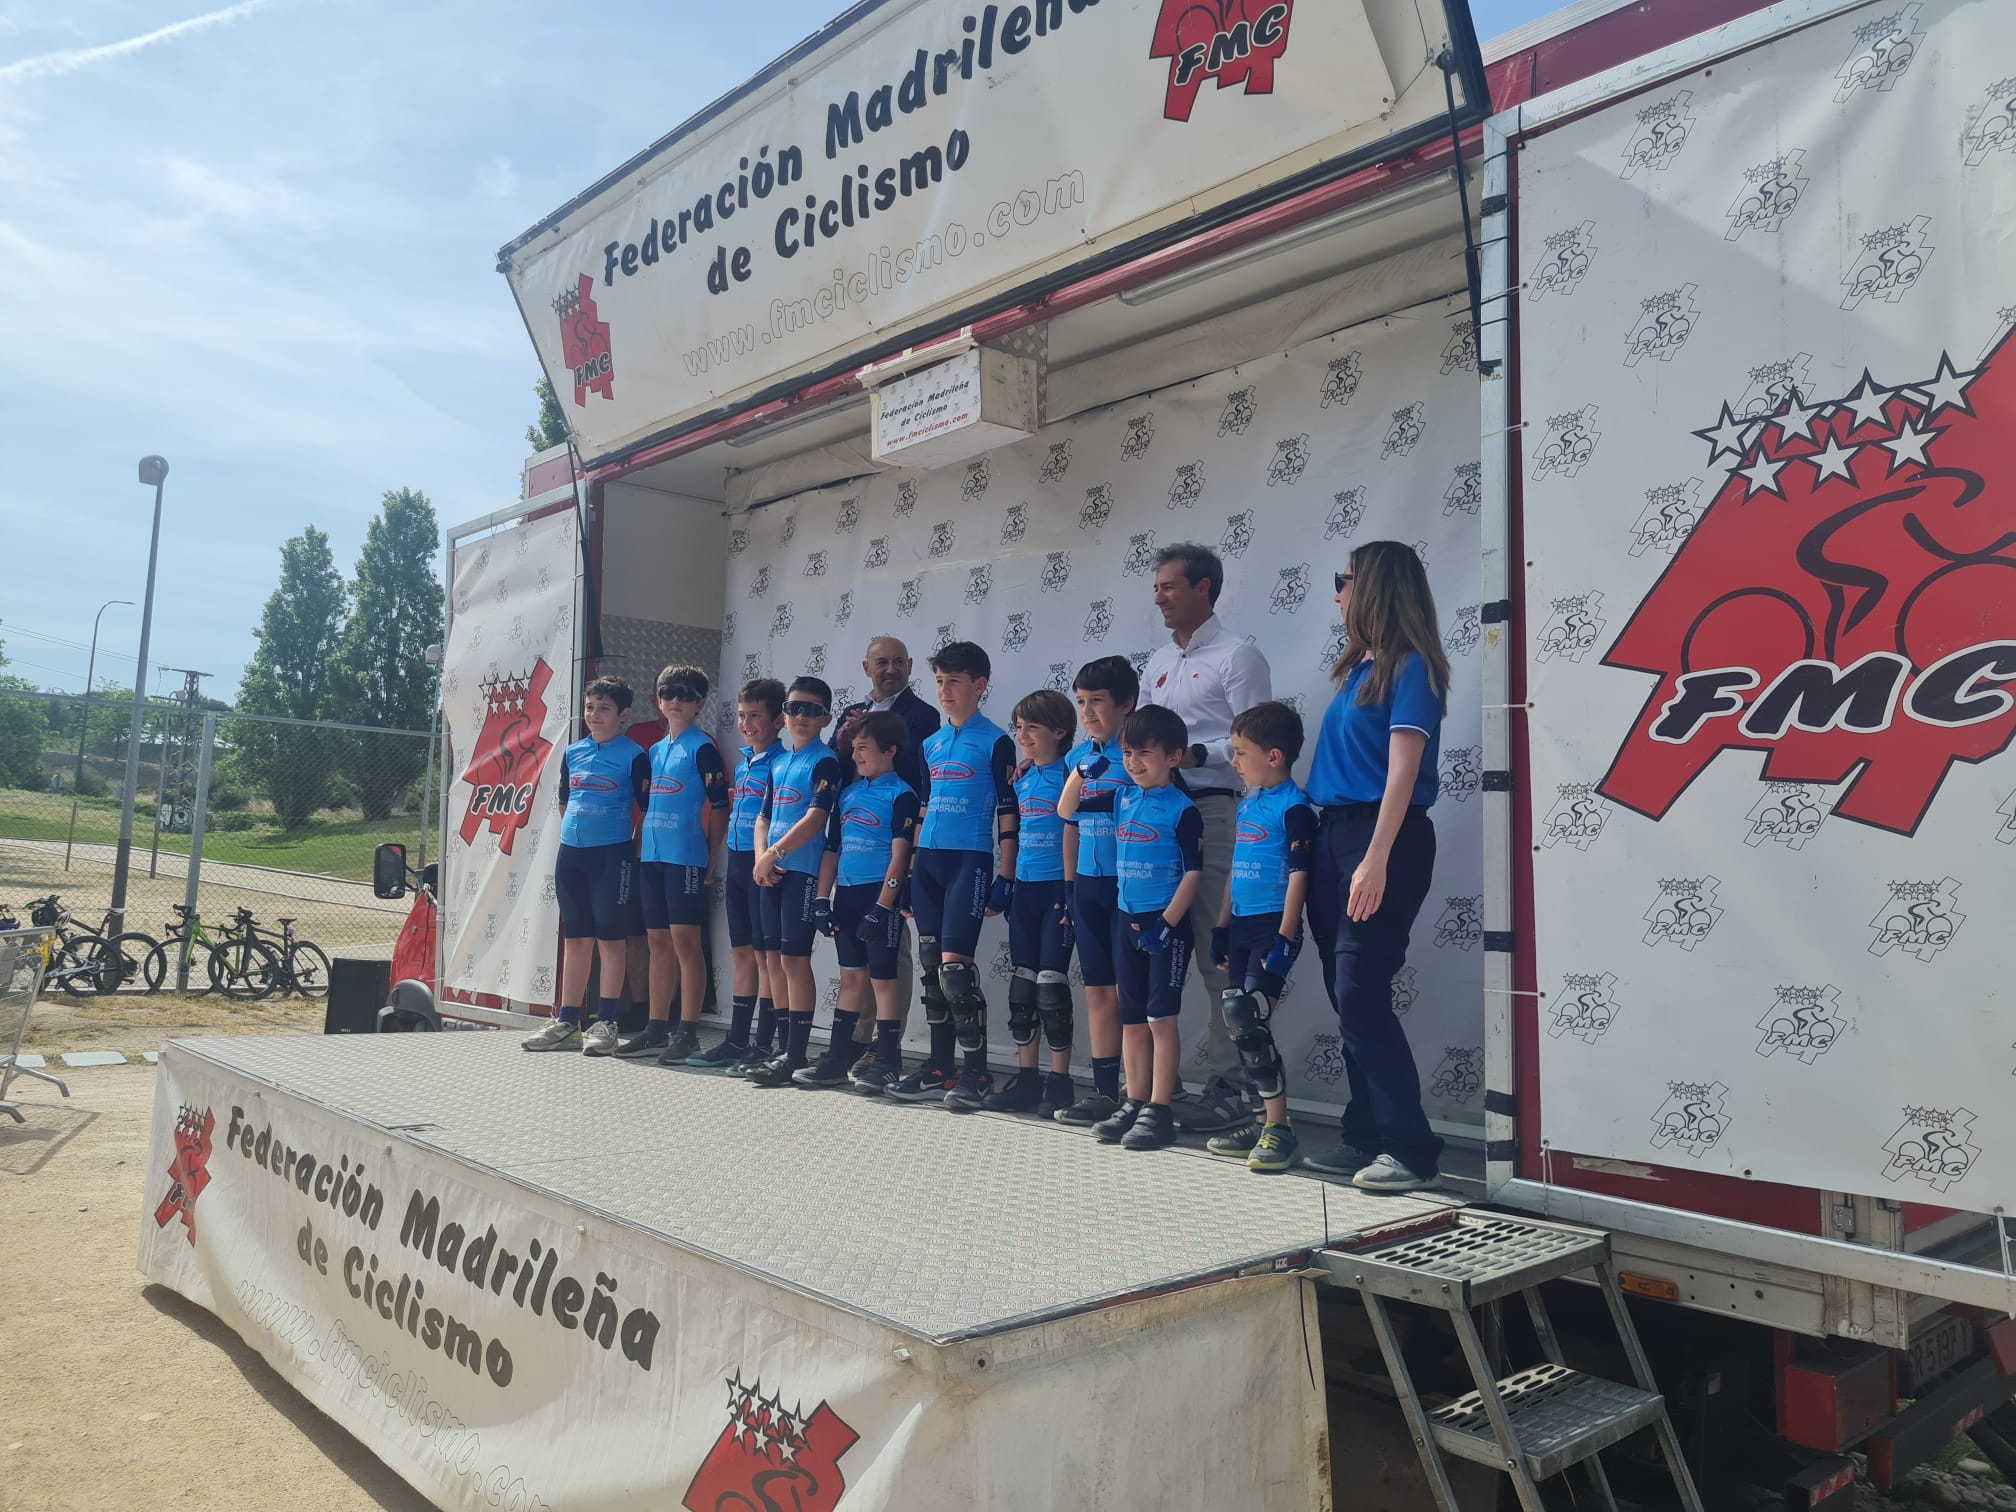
[1053,1005]
[929,960]
[961,981]
[1022,1006]
[1246,1017]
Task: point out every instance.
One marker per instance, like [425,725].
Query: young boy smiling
[1158,846]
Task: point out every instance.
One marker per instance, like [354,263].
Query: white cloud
[55,64]
[497,179]
[211,193]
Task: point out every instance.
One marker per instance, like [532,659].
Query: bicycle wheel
[74,965]
[245,969]
[308,968]
[123,963]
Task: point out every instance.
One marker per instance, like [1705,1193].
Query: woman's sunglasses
[1343,580]
[799,709]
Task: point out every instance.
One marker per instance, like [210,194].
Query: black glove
[1221,946]
[822,916]
[874,925]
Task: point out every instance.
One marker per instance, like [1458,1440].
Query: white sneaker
[600,1038]
[1388,1175]
[558,1035]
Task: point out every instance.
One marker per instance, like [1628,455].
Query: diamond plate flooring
[940,1225]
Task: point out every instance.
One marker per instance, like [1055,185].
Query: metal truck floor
[945,1226]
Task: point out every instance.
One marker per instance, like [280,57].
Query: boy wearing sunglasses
[791,843]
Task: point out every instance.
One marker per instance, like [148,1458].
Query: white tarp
[1770,519]
[929,152]
[507,695]
[1042,553]
[499,1349]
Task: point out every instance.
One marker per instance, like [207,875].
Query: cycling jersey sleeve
[1095,803]
[565,785]
[826,784]
[1003,762]
[903,817]
[640,779]
[713,775]
[1300,822]
[1190,840]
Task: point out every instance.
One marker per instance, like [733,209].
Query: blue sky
[260,239]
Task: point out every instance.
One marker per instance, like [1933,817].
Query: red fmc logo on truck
[503,771]
[584,342]
[1230,41]
[1846,605]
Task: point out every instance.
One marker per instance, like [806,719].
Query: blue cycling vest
[868,827]
[1039,854]
[1095,831]
[674,831]
[1149,861]
[961,815]
[600,799]
[752,786]
[1260,849]
[791,796]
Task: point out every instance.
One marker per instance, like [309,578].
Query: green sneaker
[1234,1144]
[1276,1150]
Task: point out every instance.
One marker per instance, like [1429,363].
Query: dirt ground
[116,1395]
[133,1022]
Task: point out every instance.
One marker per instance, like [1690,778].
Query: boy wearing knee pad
[1039,914]
[969,824]
[1260,922]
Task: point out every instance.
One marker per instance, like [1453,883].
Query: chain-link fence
[290,813]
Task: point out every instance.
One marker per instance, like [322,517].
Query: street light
[77,782]
[153,470]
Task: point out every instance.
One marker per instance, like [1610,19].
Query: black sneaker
[1019,1094]
[1088,1110]
[875,1078]
[969,1093]
[1154,1129]
[679,1046]
[1218,1108]
[775,1073]
[1059,1093]
[1234,1144]
[830,1070]
[646,1042]
[928,1083]
[724,1056]
[1113,1128]
[751,1058]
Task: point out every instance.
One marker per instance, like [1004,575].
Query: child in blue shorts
[1259,928]
[791,843]
[1039,913]
[759,715]
[864,873]
[603,778]
[1158,838]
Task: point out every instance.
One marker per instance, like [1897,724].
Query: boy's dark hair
[1049,709]
[614,689]
[1198,562]
[1272,726]
[764,690]
[817,687]
[678,675]
[962,656]
[1155,726]
[1114,675]
[886,729]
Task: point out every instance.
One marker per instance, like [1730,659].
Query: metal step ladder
[1536,1422]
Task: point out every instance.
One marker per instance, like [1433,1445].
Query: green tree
[23,727]
[551,427]
[299,633]
[380,677]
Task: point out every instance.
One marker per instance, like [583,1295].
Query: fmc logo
[1230,41]
[503,771]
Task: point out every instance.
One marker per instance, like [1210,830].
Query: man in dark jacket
[887,664]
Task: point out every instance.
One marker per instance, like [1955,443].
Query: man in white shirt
[1207,675]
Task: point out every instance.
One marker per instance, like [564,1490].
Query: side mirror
[388,870]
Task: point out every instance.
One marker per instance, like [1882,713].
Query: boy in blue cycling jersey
[603,777]
[1158,839]
[1106,688]
[969,820]
[791,842]
[863,874]
[1259,929]
[1039,914]
[759,715]
[684,816]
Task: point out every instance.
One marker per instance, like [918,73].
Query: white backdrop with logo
[1769,512]
[1042,553]
[507,695]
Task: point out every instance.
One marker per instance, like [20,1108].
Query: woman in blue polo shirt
[1374,776]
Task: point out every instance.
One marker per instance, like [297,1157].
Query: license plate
[1944,1343]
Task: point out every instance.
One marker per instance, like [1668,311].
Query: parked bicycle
[84,963]
[234,964]
[304,965]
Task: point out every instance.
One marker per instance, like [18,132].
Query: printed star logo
[188,1169]
[509,756]
[771,1455]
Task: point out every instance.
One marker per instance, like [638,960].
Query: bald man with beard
[887,663]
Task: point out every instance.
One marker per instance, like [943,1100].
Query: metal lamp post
[153,470]
[84,725]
